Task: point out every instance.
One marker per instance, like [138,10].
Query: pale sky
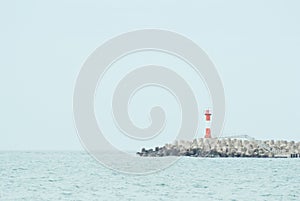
[255,46]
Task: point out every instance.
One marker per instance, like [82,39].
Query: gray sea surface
[44,176]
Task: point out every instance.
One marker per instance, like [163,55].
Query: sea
[77,176]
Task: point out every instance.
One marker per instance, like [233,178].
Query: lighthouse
[207,123]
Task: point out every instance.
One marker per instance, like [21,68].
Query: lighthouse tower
[207,123]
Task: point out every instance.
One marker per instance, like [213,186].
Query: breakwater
[226,147]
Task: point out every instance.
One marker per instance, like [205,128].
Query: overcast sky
[255,46]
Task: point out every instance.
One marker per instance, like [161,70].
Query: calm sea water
[46,176]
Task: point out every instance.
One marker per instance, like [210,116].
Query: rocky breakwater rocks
[226,147]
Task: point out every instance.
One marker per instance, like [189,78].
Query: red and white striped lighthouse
[207,123]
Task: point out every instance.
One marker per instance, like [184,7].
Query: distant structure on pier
[207,123]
